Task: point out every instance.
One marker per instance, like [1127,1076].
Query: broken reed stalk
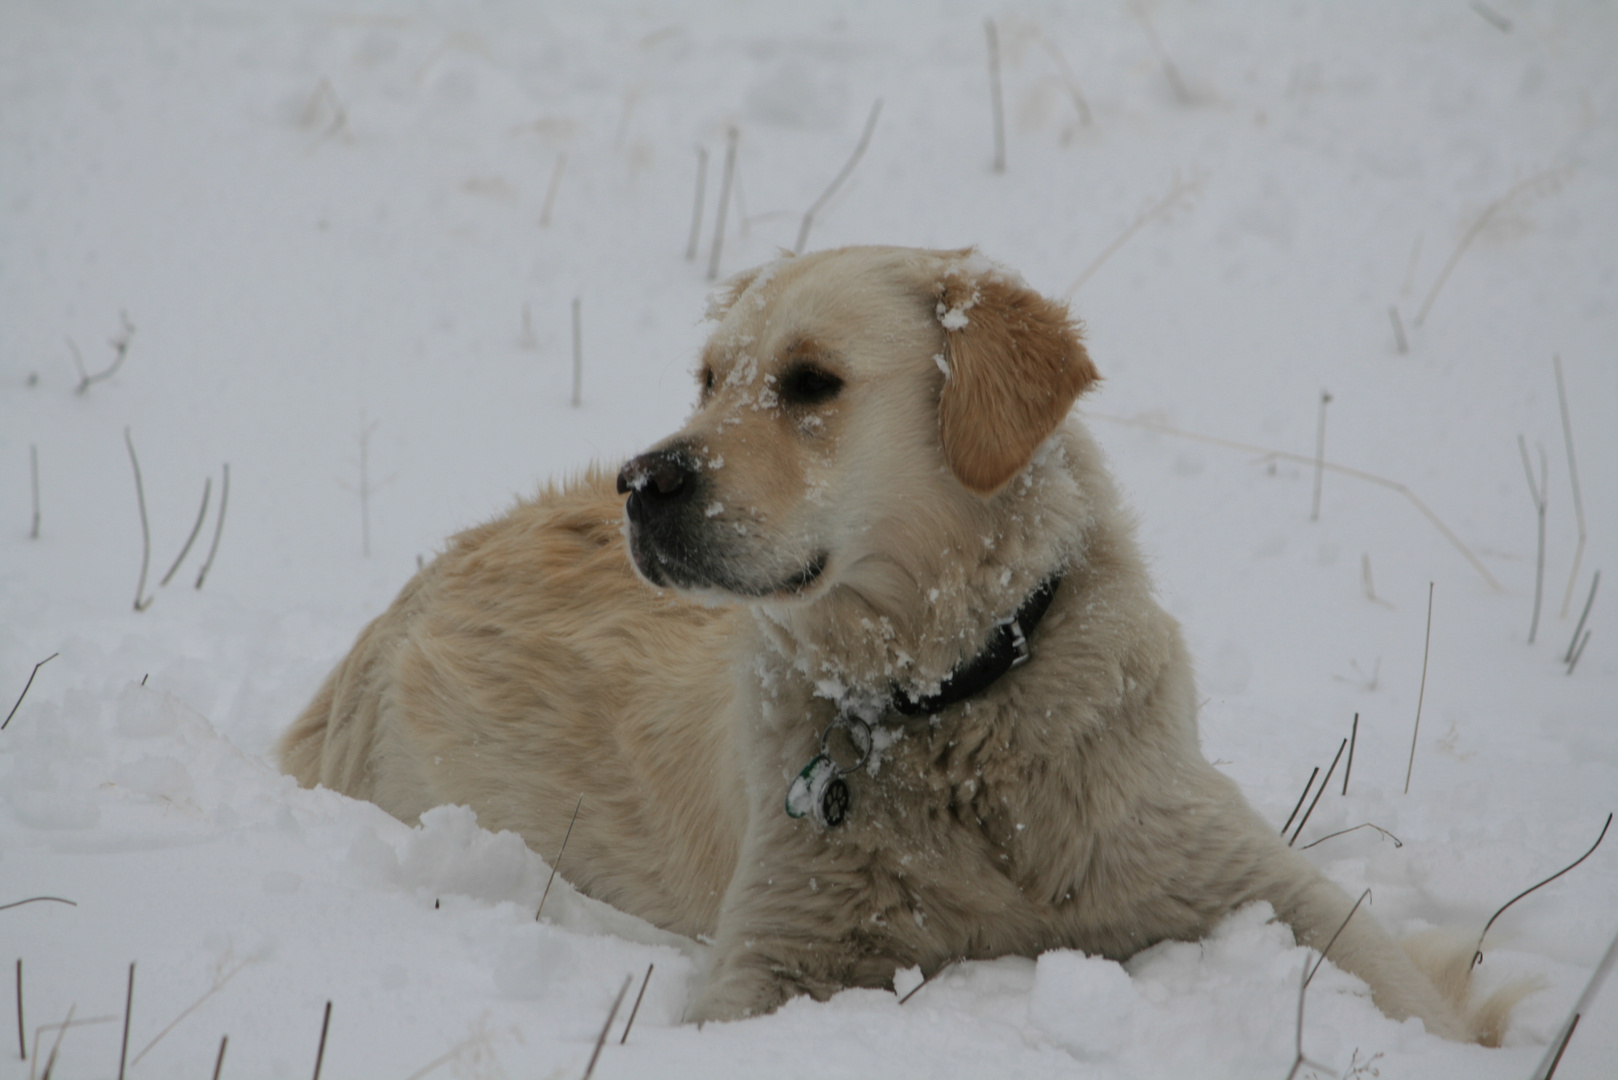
[696,206]
[725,183]
[320,1052]
[1320,453]
[145,529]
[945,966]
[1573,473]
[1300,1060]
[22,1038]
[120,349]
[601,1040]
[202,514]
[578,353]
[1572,646]
[33,476]
[129,1005]
[1306,788]
[1540,495]
[37,899]
[1547,1064]
[18,705]
[1170,72]
[558,860]
[636,1010]
[1080,105]
[1353,737]
[1322,790]
[1283,455]
[995,106]
[550,191]
[1157,210]
[219,1062]
[1398,329]
[218,528]
[837,181]
[1551,177]
[1578,652]
[1398,843]
[50,1062]
[1477,953]
[218,984]
[1421,696]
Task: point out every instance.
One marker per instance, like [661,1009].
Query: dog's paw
[737,995]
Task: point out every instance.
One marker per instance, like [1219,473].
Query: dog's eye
[805,384]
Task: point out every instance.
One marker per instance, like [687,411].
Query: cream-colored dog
[889,689]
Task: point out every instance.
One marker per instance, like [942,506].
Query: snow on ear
[1014,363]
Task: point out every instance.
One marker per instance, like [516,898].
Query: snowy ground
[327,225]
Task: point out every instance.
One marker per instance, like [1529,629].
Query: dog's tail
[1446,959]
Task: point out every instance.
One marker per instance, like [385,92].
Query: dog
[860,670]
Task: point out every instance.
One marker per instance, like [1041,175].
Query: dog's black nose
[656,481]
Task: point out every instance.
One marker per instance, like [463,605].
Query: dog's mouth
[699,569]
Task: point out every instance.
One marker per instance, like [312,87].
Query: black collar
[1007,648]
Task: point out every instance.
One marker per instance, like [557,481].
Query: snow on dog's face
[840,391]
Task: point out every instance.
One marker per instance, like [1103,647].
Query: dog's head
[842,390]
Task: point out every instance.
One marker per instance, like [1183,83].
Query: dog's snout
[656,481]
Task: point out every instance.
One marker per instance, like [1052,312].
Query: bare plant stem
[1492,17]
[1282,455]
[50,1062]
[1170,72]
[1306,789]
[995,106]
[320,1052]
[1157,210]
[1573,473]
[22,1038]
[1578,652]
[33,475]
[636,1010]
[38,899]
[945,966]
[557,862]
[612,1014]
[578,353]
[1540,494]
[218,528]
[725,184]
[1550,177]
[145,529]
[1080,105]
[1300,1060]
[202,514]
[1426,650]
[696,205]
[550,191]
[7,724]
[1547,1065]
[1477,954]
[1320,453]
[1398,329]
[120,349]
[1353,737]
[1578,629]
[837,181]
[1398,843]
[218,985]
[1322,790]
[129,1005]
[219,1062]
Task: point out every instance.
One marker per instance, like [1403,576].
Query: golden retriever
[859,670]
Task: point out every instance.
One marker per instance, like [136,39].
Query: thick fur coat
[881,467]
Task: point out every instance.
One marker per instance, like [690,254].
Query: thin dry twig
[1573,645]
[1080,105]
[219,1062]
[1340,832]
[993,37]
[37,899]
[202,514]
[1157,210]
[601,1040]
[550,191]
[1181,93]
[1322,790]
[218,985]
[727,180]
[1353,737]
[945,966]
[1578,652]
[129,1006]
[1477,954]
[636,1010]
[1491,16]
[1306,789]
[1320,454]
[33,476]
[696,206]
[1540,493]
[1426,650]
[1551,178]
[22,1038]
[320,1051]
[61,1030]
[120,349]
[1547,1064]
[1282,455]
[837,181]
[145,529]
[218,528]
[1300,1060]
[1573,473]
[557,862]
[18,705]
[1398,329]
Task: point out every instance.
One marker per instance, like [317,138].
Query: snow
[323,220]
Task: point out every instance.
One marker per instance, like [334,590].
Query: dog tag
[819,791]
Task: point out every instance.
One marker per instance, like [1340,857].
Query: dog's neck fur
[904,623]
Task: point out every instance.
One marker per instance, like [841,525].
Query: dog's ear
[1014,364]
